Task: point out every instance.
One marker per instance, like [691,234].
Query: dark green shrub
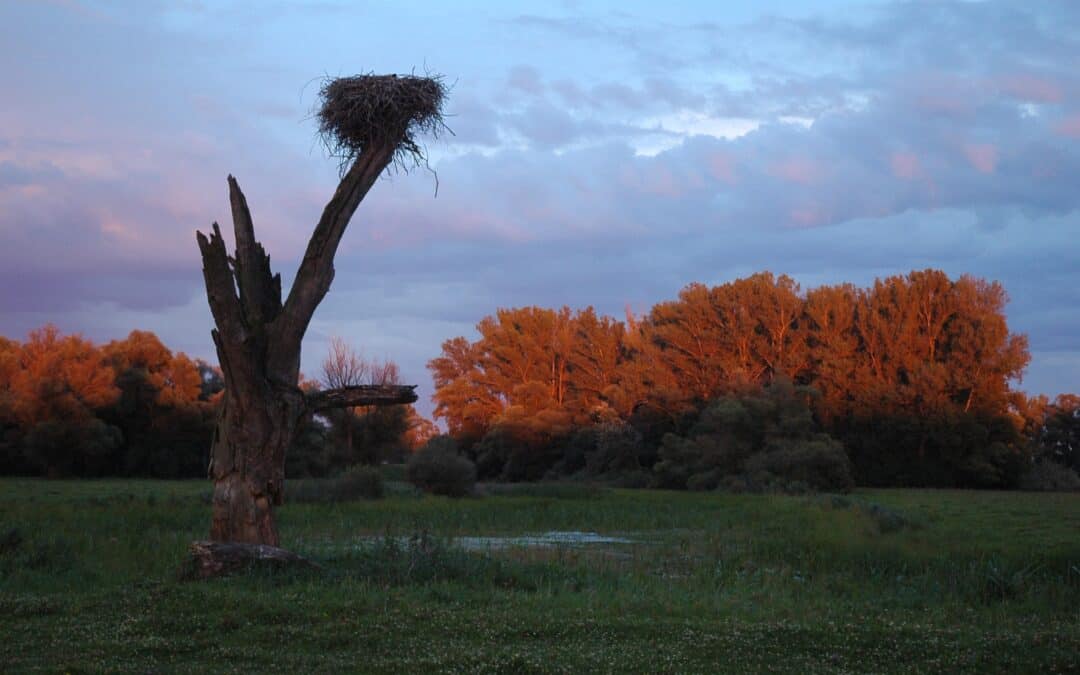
[313,452]
[703,481]
[573,450]
[945,449]
[635,480]
[1058,438]
[519,450]
[819,463]
[393,473]
[1047,476]
[618,447]
[359,482]
[438,469]
[71,448]
[764,442]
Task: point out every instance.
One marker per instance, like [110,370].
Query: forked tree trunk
[258,340]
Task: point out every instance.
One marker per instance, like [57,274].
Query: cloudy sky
[603,154]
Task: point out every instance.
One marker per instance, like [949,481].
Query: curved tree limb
[317,268]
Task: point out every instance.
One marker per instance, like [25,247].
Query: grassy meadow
[875,581]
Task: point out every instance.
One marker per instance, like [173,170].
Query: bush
[1046,476]
[618,448]
[945,449]
[636,480]
[439,470]
[760,442]
[520,449]
[819,463]
[359,482]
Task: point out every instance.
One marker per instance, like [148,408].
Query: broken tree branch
[260,290]
[361,395]
[220,289]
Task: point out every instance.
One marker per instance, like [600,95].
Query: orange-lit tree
[57,384]
[370,121]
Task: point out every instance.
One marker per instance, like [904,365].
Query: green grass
[877,581]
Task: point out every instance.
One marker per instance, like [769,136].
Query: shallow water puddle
[545,540]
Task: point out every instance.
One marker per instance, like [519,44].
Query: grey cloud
[549,126]
[645,41]
[13,174]
[472,121]
[51,292]
[525,79]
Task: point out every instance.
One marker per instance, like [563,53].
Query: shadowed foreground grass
[879,581]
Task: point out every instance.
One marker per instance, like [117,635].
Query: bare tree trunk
[249,465]
[258,342]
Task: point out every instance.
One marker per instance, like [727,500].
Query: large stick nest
[367,111]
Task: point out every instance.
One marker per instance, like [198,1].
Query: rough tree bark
[258,339]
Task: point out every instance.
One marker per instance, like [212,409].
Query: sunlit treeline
[133,407]
[912,373]
[129,407]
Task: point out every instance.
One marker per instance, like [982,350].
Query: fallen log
[210,559]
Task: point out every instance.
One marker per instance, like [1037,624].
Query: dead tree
[369,121]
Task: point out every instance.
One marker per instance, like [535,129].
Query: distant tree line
[133,407]
[755,382]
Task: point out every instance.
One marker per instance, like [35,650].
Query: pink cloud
[118,230]
[13,194]
[654,180]
[809,215]
[905,165]
[941,102]
[722,168]
[983,156]
[1032,88]
[944,94]
[1070,126]
[802,170]
[661,181]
